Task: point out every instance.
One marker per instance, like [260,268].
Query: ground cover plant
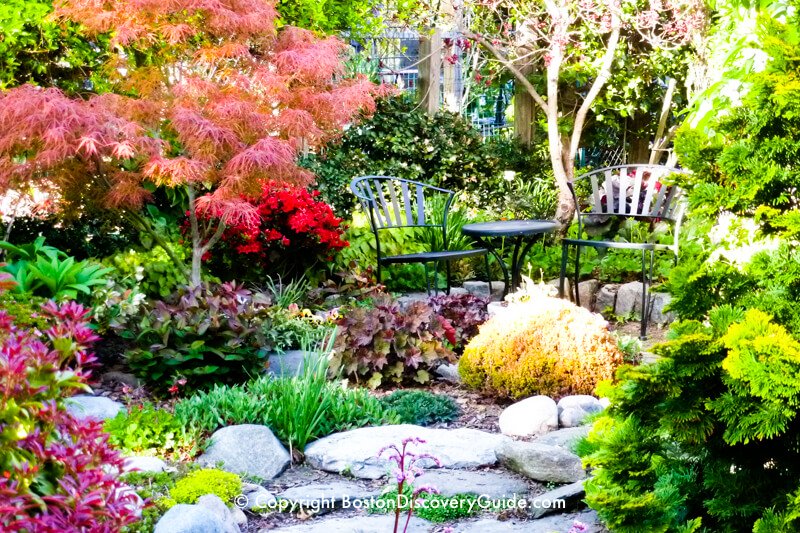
[421,407]
[146,430]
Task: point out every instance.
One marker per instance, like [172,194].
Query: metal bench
[625,192]
[393,203]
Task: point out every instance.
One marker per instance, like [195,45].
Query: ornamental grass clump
[543,346]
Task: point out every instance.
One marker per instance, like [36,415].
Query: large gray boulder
[541,462]
[95,407]
[629,300]
[247,449]
[532,416]
[144,464]
[587,291]
[606,298]
[355,452]
[658,301]
[573,410]
[184,518]
[565,438]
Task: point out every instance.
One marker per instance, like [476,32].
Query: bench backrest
[630,191]
[398,203]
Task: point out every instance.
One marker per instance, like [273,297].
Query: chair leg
[447,271]
[488,274]
[378,274]
[643,330]
[564,257]
[577,274]
[427,279]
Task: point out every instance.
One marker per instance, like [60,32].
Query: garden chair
[619,193]
[393,203]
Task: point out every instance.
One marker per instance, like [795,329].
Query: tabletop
[509,228]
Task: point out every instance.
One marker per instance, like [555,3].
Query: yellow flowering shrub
[544,346]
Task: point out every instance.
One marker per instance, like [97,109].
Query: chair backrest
[397,203]
[630,191]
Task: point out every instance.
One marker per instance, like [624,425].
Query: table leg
[492,250]
[514,264]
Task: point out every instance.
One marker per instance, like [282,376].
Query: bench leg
[488,273]
[577,274]
[564,257]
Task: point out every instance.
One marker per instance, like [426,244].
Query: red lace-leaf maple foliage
[206,94]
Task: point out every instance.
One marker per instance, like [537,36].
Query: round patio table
[524,232]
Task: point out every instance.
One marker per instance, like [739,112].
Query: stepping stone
[327,494]
[448,372]
[545,504]
[355,452]
[550,524]
[565,438]
[356,524]
[95,407]
[247,449]
[541,462]
[495,485]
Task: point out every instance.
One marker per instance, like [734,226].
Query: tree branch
[509,64]
[602,77]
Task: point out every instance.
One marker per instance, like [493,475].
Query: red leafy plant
[56,472]
[205,96]
[464,311]
[387,343]
[294,230]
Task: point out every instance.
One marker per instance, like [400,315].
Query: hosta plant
[201,335]
[389,344]
[58,472]
[45,271]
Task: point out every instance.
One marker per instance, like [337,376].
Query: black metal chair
[626,192]
[393,203]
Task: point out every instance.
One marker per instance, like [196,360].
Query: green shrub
[189,489]
[706,435]
[284,329]
[298,409]
[152,271]
[25,309]
[421,407]
[145,430]
[45,271]
[390,344]
[544,346]
[201,335]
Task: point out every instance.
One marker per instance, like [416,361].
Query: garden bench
[393,203]
[618,193]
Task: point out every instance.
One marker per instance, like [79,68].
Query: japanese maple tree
[207,97]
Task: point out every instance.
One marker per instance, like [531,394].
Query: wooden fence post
[430,69]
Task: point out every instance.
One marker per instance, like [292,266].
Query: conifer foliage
[207,96]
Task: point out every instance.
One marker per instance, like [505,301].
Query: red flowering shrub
[294,230]
[54,469]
